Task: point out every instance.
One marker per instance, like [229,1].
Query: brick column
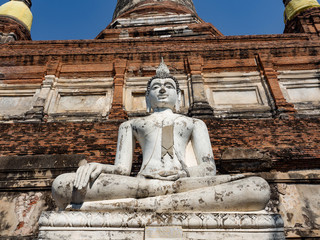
[283,108]
[199,106]
[53,67]
[37,113]
[117,110]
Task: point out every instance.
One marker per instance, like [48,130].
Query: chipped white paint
[163,233]
[302,88]
[27,210]
[17,99]
[78,99]
[237,92]
[156,21]
[20,213]
[59,98]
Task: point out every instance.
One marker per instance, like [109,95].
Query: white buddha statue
[166,182]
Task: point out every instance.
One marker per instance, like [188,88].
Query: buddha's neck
[163,110]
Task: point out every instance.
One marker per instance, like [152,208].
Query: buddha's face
[163,93]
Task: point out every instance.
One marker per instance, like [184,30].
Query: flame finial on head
[163,70]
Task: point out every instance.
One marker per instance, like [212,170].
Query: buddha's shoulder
[186,118]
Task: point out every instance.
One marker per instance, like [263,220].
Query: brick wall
[292,144]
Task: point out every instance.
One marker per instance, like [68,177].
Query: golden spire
[18,10]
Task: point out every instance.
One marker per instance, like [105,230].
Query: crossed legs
[218,193]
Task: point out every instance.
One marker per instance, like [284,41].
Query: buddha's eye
[169,86]
[154,87]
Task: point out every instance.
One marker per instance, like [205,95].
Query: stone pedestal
[151,226]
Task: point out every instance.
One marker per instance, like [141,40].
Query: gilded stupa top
[18,10]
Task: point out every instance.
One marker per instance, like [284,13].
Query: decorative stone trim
[143,219]
[134,226]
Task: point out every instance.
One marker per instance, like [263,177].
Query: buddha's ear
[148,104]
[178,102]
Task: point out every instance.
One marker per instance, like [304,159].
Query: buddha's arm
[125,148]
[123,161]
[203,151]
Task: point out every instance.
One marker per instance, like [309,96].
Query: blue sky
[84,19]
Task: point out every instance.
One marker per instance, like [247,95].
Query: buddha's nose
[162,90]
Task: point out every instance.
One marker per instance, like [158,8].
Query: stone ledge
[115,219]
[35,172]
[117,225]
[138,234]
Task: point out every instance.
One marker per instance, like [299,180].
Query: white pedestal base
[132,226]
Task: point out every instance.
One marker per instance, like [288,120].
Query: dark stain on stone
[289,216]
[4,225]
[142,193]
[218,197]
[310,216]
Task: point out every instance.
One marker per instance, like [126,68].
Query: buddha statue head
[163,90]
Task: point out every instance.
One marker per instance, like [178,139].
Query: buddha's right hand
[87,173]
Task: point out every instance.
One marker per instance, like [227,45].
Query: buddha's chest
[178,129]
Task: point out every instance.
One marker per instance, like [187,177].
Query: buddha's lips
[162,96]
